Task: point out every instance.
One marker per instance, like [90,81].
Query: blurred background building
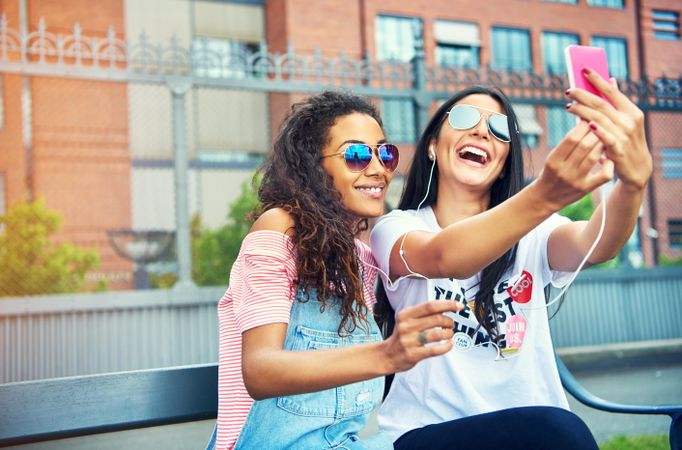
[128,117]
[101,153]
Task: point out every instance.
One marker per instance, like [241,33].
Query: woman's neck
[455,205]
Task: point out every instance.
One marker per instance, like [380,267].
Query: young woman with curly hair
[301,359]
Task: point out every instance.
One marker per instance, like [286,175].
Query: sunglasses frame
[375,152]
[480,117]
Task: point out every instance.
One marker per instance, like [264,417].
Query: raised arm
[270,371]
[463,248]
[620,128]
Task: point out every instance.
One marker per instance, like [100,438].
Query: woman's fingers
[564,149]
[609,89]
[422,331]
[429,308]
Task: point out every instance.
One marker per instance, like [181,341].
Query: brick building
[95,150]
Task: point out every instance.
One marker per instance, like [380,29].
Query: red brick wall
[664,133]
[81,162]
[661,56]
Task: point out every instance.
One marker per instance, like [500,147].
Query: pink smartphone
[580,56]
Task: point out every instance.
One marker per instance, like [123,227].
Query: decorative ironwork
[41,52]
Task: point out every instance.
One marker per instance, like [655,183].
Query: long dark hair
[416,186]
[293,179]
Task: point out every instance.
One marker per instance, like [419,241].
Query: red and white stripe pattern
[261,292]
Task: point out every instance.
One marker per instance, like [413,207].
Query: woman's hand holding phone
[619,125]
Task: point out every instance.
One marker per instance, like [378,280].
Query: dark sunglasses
[464,117]
[358,156]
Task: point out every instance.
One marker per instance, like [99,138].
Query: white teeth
[370,189]
[475,151]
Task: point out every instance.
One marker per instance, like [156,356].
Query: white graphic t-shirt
[471,379]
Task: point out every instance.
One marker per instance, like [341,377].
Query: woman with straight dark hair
[467,231]
[302,361]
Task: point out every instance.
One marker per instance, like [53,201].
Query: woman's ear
[432,150]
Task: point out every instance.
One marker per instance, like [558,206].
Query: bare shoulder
[275,219]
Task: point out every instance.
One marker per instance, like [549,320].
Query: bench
[33,411]
[43,410]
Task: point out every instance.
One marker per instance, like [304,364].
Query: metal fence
[55,336]
[126,141]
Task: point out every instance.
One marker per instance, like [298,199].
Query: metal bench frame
[44,410]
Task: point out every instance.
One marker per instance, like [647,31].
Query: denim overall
[328,419]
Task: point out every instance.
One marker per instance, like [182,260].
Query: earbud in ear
[432,153]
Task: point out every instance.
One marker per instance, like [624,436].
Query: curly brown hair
[293,179]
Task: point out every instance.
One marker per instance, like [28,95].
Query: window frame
[610,56]
[546,33]
[378,42]
[605,4]
[671,163]
[508,29]
[658,22]
[674,223]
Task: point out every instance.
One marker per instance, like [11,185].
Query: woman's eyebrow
[356,141]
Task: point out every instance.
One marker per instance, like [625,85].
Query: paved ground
[652,381]
[647,380]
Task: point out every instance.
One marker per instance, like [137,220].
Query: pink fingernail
[568,92]
[593,125]
[587,71]
[568,105]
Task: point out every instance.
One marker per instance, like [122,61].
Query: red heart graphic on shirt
[522,290]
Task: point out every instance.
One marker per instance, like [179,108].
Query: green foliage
[214,251]
[30,262]
[665,261]
[643,442]
[580,210]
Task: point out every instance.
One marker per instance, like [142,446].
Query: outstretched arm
[269,370]
[619,127]
[465,247]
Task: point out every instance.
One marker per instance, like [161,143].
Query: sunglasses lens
[358,156]
[499,127]
[463,117]
[389,156]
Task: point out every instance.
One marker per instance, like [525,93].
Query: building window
[672,163]
[666,25]
[553,45]
[617,4]
[222,58]
[616,54]
[457,44]
[396,37]
[675,233]
[559,122]
[528,124]
[399,119]
[511,49]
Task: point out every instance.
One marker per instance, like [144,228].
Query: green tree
[214,251]
[30,262]
[582,210]
[665,261]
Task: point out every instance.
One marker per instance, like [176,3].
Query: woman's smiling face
[471,158]
[363,192]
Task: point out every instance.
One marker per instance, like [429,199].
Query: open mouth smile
[474,154]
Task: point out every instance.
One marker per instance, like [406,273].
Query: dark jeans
[527,428]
